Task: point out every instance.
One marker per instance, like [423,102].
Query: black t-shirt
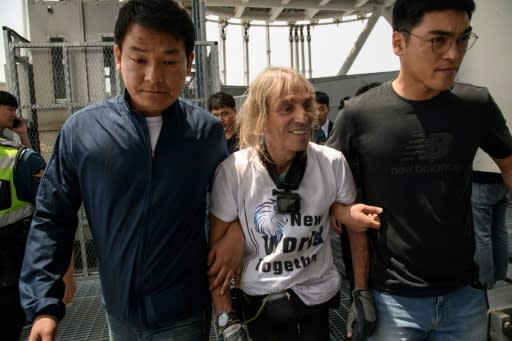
[414,159]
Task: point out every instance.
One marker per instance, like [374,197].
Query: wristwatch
[224,318]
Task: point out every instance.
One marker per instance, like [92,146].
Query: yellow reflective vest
[11,208]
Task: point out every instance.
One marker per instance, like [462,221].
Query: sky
[12,17]
[330,45]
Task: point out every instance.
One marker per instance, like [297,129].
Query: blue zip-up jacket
[146,213]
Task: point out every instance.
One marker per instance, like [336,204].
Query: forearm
[221,302]
[69,282]
[357,217]
[25,140]
[507,179]
[340,212]
[218,229]
[505,166]
[226,253]
[360,258]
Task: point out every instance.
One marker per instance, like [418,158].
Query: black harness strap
[294,175]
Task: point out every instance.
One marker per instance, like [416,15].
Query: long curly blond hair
[268,85]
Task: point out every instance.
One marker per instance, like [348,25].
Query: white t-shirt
[325,128]
[154,126]
[284,251]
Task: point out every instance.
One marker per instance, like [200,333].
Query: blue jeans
[456,316]
[489,203]
[195,328]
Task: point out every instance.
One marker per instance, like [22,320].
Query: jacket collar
[124,100]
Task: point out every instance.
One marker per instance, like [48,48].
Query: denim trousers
[489,203]
[459,315]
[195,328]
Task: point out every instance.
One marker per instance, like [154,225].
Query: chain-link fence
[52,80]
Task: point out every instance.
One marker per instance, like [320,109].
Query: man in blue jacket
[140,163]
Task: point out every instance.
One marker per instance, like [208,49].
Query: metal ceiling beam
[359,43]
[360,3]
[342,5]
[239,11]
[388,15]
[310,13]
[274,13]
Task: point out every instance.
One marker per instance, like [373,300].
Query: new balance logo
[423,148]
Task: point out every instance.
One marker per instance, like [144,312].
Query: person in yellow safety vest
[9,120]
[21,168]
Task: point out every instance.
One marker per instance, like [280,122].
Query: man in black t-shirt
[412,142]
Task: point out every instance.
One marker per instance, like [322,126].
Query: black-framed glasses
[441,44]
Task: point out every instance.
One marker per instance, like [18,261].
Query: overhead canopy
[291,10]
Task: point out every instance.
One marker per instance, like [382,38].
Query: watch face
[223,319]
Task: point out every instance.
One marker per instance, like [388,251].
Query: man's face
[424,72]
[228,117]
[7,116]
[322,111]
[154,66]
[290,117]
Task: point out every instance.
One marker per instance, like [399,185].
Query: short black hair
[321,98]
[367,87]
[342,102]
[8,99]
[409,13]
[167,16]
[221,99]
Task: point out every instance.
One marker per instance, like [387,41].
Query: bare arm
[69,281]
[505,166]
[226,241]
[360,258]
[358,217]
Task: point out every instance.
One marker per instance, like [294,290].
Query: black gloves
[362,319]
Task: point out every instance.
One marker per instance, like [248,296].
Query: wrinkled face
[322,111]
[427,73]
[7,116]
[290,117]
[228,117]
[154,66]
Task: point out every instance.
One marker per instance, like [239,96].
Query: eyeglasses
[441,44]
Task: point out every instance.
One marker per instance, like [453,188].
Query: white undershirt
[154,127]
[325,128]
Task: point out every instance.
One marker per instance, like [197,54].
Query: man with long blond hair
[281,188]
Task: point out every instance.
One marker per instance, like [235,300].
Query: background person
[343,101]
[20,173]
[21,170]
[414,140]
[489,201]
[223,106]
[323,125]
[9,120]
[366,87]
[140,163]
